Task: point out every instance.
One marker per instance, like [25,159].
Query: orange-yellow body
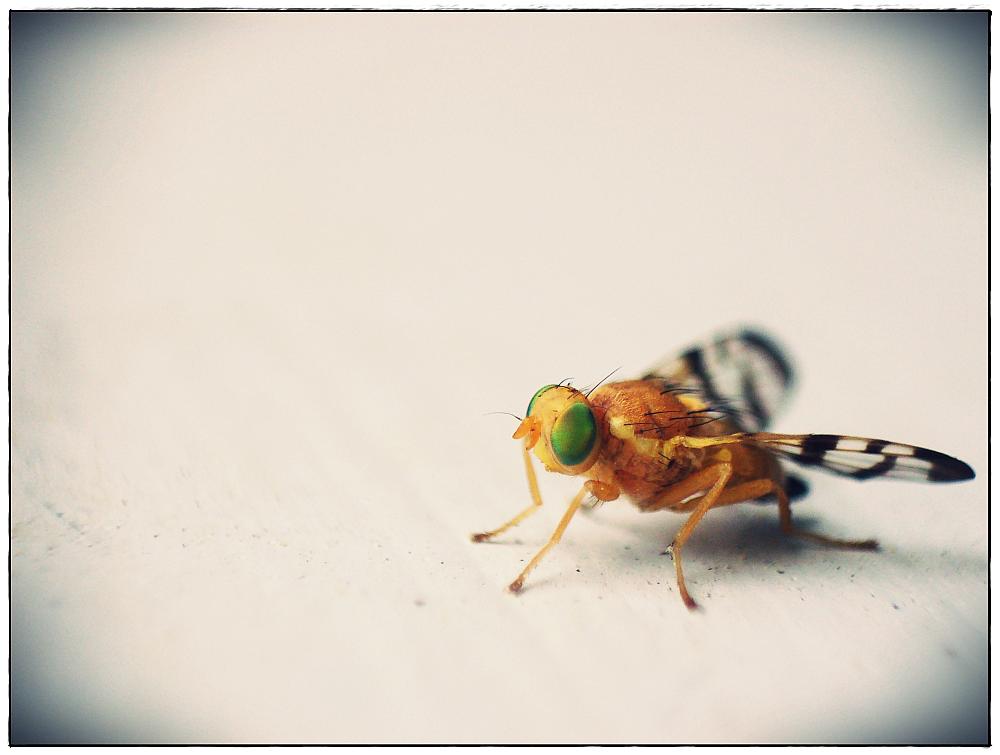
[640,425]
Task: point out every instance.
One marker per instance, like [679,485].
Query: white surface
[269,272]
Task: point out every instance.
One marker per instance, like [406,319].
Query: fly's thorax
[641,419]
[566,427]
[643,411]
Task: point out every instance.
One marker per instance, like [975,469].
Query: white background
[270,271]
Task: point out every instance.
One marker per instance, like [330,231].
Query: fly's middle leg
[714,478]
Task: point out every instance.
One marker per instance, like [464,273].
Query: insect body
[689,436]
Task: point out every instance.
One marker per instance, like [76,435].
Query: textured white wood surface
[270,272]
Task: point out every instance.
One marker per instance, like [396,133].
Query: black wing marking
[865,458]
[742,375]
[795,488]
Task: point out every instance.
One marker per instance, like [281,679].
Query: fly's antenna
[509,414]
[587,394]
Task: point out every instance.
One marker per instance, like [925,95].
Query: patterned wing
[865,458]
[743,376]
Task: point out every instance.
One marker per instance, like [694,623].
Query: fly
[690,435]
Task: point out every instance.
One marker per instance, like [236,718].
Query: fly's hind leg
[785,513]
[747,491]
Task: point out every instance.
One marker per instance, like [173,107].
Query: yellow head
[561,418]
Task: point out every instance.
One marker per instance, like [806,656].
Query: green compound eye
[573,435]
[538,393]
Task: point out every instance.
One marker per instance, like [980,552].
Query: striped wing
[743,376]
[865,458]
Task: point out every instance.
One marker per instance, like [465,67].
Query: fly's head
[561,428]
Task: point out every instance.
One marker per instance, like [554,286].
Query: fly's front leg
[536,499]
[603,490]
